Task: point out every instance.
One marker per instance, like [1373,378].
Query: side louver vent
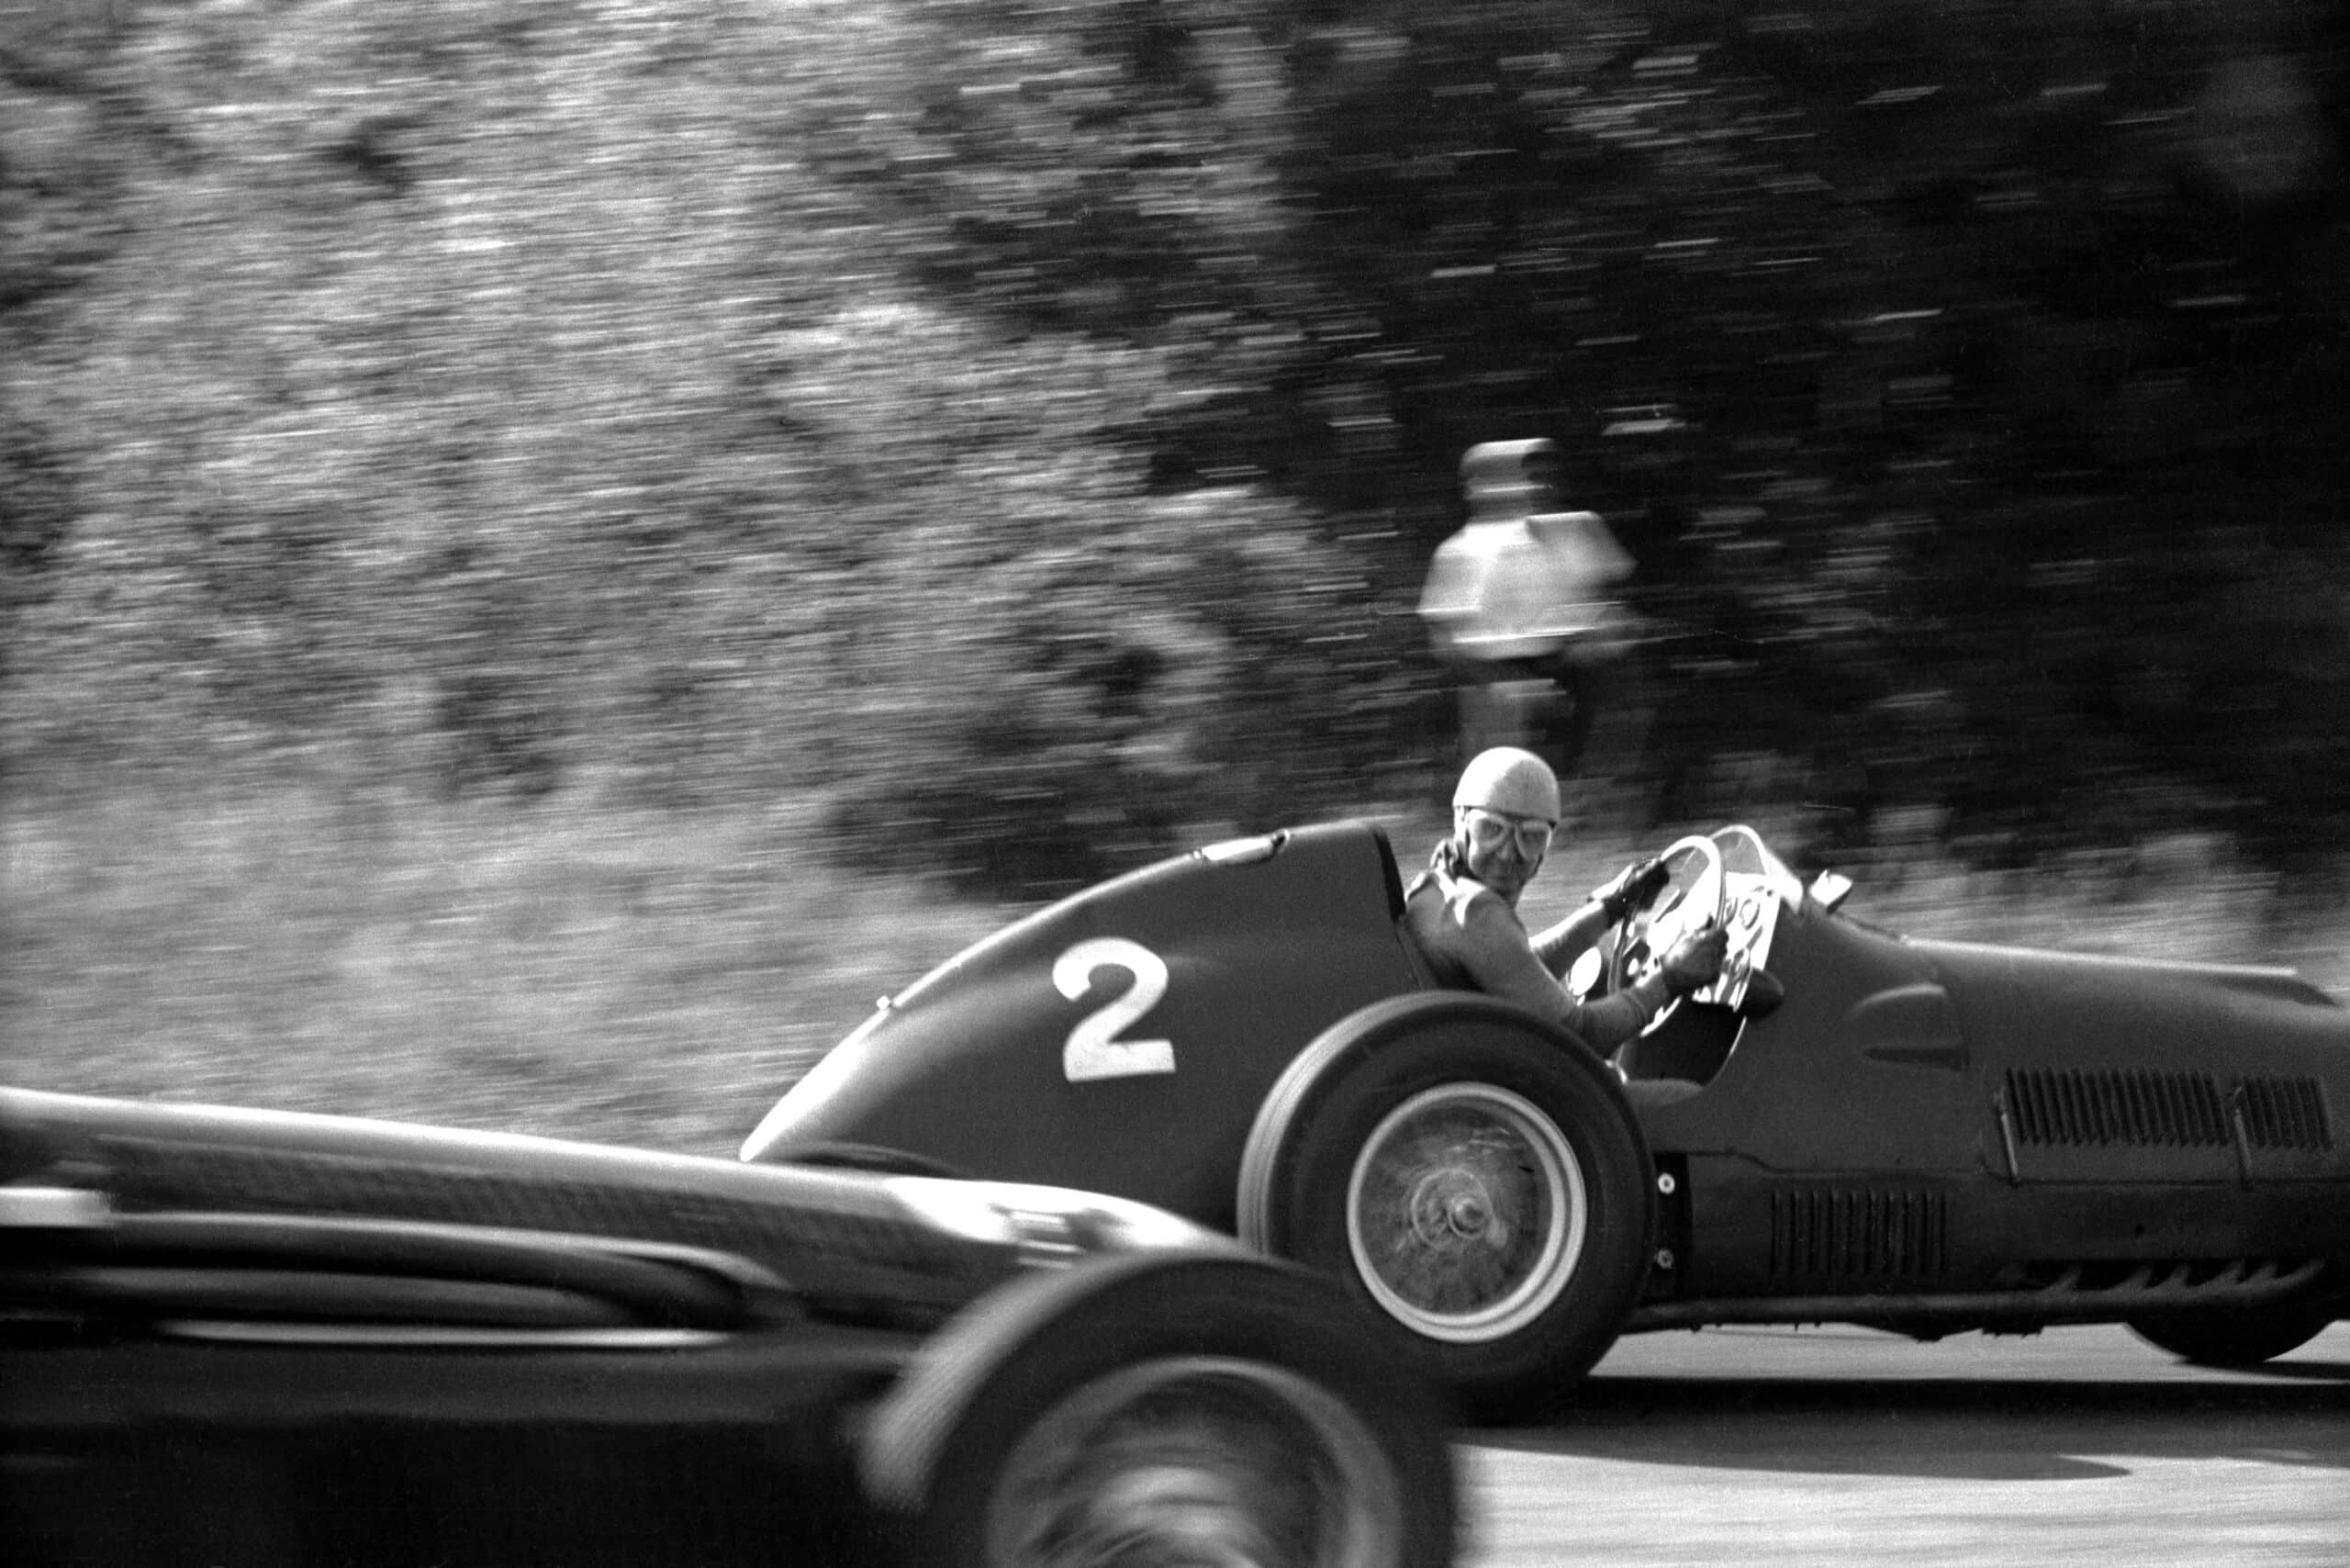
[2285,1112]
[2132,1105]
[1843,1231]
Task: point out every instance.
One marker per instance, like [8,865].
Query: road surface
[1765,1447]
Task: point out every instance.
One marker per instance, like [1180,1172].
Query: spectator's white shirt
[1522,587]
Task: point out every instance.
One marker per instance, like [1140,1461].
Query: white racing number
[1094,1049]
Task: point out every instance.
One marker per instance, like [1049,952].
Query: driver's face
[1500,850]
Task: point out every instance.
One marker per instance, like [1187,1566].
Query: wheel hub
[1466,1210]
[1195,1463]
[1450,1205]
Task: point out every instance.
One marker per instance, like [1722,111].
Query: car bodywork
[1122,1040]
[260,1338]
[1854,1126]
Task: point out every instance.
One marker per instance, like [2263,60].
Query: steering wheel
[1690,896]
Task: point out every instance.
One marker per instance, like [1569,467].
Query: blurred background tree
[1021,427]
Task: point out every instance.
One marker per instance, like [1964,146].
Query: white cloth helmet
[1517,475]
[1509,780]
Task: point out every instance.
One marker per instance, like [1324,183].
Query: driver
[1462,913]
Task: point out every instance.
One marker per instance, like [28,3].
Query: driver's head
[1504,811]
[1511,478]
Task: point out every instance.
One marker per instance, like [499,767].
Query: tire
[1397,1151]
[2242,1338]
[1155,1408]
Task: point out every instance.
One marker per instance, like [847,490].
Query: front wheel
[1475,1176]
[2243,1337]
[1162,1408]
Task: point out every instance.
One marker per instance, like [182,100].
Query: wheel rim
[1197,1461]
[1466,1213]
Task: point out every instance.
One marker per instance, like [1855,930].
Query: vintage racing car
[1853,1125]
[252,1338]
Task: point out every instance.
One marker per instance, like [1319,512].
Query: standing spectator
[1517,605]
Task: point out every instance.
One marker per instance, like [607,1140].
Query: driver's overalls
[1469,939]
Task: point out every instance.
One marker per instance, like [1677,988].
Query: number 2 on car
[1095,1050]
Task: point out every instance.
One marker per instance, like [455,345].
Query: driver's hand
[1631,888]
[1695,960]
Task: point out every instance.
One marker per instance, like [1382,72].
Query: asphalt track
[1827,1447]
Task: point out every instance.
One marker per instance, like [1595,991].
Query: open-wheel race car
[1850,1125]
[235,1336]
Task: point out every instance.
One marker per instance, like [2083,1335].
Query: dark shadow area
[2311,1371]
[2004,1430]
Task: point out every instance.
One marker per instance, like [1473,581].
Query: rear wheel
[1207,1410]
[2245,1338]
[1466,1213]
[1474,1175]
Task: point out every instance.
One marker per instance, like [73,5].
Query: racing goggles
[1488,831]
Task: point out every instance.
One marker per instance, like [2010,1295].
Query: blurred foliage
[1021,425]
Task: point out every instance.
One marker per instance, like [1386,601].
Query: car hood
[885,1246]
[2028,1005]
[2100,972]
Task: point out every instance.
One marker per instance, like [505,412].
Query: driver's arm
[1560,946]
[1630,888]
[1492,945]
[1609,1021]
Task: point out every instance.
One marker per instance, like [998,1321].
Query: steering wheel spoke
[1691,896]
